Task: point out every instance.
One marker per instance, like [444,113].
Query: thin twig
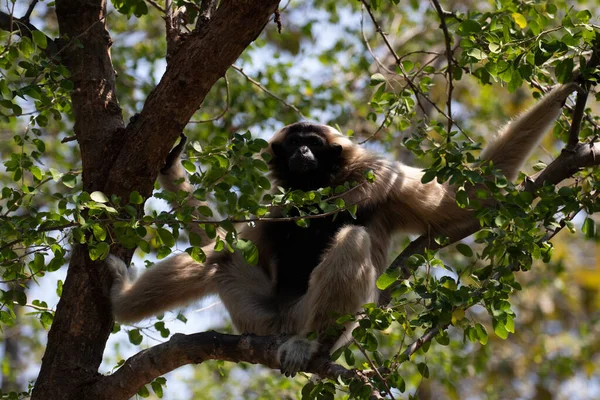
[447,39]
[374,368]
[432,332]
[29,11]
[39,308]
[398,60]
[225,110]
[577,118]
[157,6]
[69,139]
[381,126]
[267,91]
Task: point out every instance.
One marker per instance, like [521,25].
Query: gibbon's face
[303,157]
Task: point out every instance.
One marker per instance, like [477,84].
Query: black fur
[297,251]
[174,154]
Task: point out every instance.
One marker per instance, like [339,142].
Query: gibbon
[307,276]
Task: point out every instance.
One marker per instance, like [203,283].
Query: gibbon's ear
[278,150]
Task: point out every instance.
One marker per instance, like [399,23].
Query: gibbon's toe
[117,267]
[562,92]
[295,354]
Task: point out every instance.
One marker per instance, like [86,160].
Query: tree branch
[578,113]
[398,62]
[447,40]
[29,10]
[433,331]
[24,28]
[196,348]
[200,59]
[267,91]
[207,9]
[565,166]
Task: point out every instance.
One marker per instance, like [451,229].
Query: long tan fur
[344,280]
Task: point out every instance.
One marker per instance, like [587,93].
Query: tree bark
[83,318]
[118,160]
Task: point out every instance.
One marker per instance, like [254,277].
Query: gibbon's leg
[167,284]
[247,293]
[516,141]
[340,284]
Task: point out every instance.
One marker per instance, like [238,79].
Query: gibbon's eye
[294,141]
[315,141]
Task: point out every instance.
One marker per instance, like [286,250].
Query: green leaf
[143,392]
[349,356]
[387,279]
[589,228]
[584,16]
[303,223]
[462,198]
[99,197]
[100,251]
[423,369]
[564,70]
[464,249]
[377,79]
[428,176]
[481,334]
[189,166]
[510,324]
[135,197]
[39,39]
[135,337]
[166,237]
[157,388]
[249,250]
[99,232]
[500,329]
[469,26]
[520,20]
[20,297]
[36,172]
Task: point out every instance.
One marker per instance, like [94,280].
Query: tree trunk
[118,160]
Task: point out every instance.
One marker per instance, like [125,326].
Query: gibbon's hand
[174,154]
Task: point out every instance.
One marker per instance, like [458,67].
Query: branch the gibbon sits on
[307,276]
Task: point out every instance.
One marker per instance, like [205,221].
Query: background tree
[93,97]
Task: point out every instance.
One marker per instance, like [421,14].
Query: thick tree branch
[207,9]
[201,59]
[118,160]
[24,28]
[181,349]
[83,318]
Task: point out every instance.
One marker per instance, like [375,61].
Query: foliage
[332,63]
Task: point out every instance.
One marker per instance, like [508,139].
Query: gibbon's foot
[564,91]
[295,353]
[174,154]
[121,274]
